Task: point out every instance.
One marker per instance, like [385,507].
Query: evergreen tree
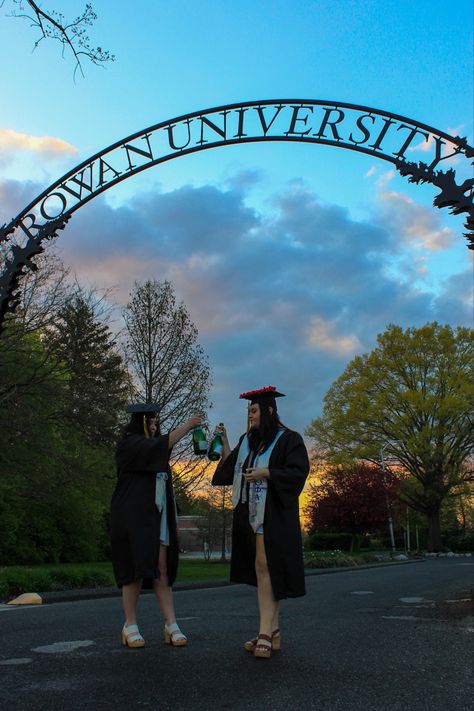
[96,379]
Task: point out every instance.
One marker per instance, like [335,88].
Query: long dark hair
[270,423]
[135,426]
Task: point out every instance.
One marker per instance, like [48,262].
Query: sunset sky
[291,258]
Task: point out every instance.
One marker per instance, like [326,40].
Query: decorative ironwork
[380,134]
[22,259]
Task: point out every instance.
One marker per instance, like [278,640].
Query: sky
[291,258]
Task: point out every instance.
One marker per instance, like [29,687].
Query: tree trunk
[434,542]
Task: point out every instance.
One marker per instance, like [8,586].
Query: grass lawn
[15,580]
[197,569]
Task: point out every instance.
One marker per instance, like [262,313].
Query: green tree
[54,486]
[411,397]
[56,475]
[168,365]
[96,385]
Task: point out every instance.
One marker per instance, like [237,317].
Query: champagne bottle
[199,441]
[216,447]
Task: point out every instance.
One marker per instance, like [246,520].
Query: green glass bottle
[216,447]
[199,441]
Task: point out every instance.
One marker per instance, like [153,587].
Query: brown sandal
[263,651]
[276,642]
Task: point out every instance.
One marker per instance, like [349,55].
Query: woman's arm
[224,473]
[182,430]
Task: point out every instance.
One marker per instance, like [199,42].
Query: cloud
[244,178]
[427,146]
[15,195]
[283,297]
[322,335]
[413,223]
[424,145]
[11,141]
[384,180]
[454,303]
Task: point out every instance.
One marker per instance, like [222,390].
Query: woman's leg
[268,606]
[130,595]
[162,589]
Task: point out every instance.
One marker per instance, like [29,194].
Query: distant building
[190,537]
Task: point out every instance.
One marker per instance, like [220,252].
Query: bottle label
[202,445]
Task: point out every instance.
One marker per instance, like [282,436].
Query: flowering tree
[351,500]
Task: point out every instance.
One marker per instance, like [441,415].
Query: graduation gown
[134,517]
[289,467]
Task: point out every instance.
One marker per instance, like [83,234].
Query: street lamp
[387,501]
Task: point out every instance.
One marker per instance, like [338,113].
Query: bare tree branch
[168,366]
[71,34]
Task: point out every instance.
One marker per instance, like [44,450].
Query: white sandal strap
[174,631]
[132,633]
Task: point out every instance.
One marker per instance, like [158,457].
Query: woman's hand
[195,420]
[256,473]
[182,430]
[220,429]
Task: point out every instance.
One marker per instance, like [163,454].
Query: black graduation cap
[262,396]
[147,409]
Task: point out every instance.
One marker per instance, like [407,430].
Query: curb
[52,597]
[97,593]
[366,566]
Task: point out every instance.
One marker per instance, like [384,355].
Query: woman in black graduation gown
[267,470]
[143,520]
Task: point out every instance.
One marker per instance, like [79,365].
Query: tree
[96,381]
[43,294]
[352,499]
[412,396]
[213,505]
[168,365]
[62,389]
[54,486]
[71,34]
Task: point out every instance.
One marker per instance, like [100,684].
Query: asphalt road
[397,638]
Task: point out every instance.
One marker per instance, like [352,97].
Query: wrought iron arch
[377,133]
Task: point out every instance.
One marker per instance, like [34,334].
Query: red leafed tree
[351,500]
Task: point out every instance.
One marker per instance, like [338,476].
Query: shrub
[333,541]
[330,559]
[17,580]
[460,542]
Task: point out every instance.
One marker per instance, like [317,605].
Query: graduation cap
[143,411]
[146,409]
[263,396]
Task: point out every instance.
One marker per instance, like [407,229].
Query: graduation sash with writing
[257,489]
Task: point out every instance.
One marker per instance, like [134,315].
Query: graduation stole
[160,490]
[257,489]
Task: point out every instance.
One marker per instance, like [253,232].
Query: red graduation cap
[267,394]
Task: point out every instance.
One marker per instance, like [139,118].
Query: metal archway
[377,133]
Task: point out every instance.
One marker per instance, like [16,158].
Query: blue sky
[291,258]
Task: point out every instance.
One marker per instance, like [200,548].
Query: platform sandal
[174,636]
[263,648]
[276,642]
[131,636]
